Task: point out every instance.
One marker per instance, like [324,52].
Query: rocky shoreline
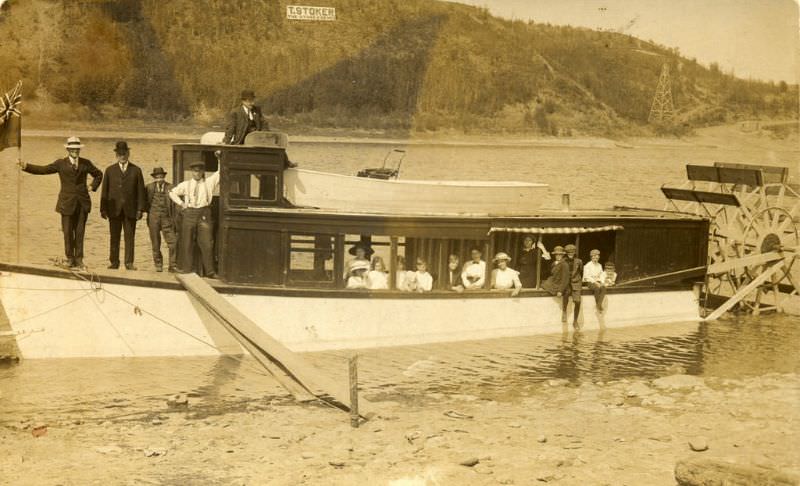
[622,432]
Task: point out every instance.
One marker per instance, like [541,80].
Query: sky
[755,38]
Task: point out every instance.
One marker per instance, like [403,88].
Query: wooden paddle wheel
[754,234]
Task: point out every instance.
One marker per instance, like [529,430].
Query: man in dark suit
[122,201]
[74,202]
[244,119]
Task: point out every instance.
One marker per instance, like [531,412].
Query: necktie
[196,193]
[74,164]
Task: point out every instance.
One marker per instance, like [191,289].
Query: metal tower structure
[662,109]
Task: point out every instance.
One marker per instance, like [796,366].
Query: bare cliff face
[410,65]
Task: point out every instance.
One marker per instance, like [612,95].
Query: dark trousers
[196,226]
[73,226]
[159,224]
[118,225]
[575,295]
[599,294]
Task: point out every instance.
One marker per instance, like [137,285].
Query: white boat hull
[307,188]
[62,318]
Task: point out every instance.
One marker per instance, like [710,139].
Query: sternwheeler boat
[283,237]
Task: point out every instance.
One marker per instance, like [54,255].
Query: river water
[499,369]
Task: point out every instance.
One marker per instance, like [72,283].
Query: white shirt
[196,194]
[74,162]
[248,112]
[377,280]
[593,273]
[505,279]
[405,280]
[474,274]
[424,281]
[123,167]
[355,282]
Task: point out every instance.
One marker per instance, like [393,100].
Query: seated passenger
[527,261]
[377,279]
[453,274]
[611,274]
[558,273]
[473,275]
[422,280]
[594,277]
[404,278]
[357,272]
[503,277]
[362,253]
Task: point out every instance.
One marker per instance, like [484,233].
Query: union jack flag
[9,103]
[10,118]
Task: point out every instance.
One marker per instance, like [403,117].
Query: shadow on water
[497,369]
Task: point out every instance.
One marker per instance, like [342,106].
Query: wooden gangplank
[292,364]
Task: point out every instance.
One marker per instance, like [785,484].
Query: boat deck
[167,281]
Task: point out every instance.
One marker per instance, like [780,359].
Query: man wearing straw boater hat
[161,219]
[73,202]
[122,202]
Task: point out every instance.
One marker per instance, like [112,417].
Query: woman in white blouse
[504,278]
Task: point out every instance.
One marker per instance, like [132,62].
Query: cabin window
[246,187]
[190,156]
[311,259]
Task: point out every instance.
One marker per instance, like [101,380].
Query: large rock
[713,472]
[678,382]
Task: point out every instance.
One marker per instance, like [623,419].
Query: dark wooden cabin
[262,240]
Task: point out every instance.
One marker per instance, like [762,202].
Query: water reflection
[500,369]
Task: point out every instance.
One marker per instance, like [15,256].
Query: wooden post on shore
[354,418]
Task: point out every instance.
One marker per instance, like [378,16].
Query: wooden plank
[749,177]
[298,392]
[728,265]
[743,292]
[294,365]
[771,174]
[666,277]
[702,173]
[678,194]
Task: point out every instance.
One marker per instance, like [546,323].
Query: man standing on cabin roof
[122,201]
[571,287]
[74,202]
[194,197]
[161,219]
[244,119]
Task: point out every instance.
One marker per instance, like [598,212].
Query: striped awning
[560,230]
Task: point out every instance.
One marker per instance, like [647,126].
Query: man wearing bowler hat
[161,219]
[244,119]
[74,202]
[122,201]
[194,197]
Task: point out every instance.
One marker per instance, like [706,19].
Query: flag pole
[19,199]
[19,184]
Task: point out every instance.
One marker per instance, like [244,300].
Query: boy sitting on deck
[611,274]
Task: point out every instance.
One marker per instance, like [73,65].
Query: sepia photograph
[400,242]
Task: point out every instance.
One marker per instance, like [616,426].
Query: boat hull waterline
[54,317]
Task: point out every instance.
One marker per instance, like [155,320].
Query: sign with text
[302,12]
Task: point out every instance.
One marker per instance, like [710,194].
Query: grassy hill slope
[383,64]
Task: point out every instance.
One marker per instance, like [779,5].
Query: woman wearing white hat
[74,202]
[503,277]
